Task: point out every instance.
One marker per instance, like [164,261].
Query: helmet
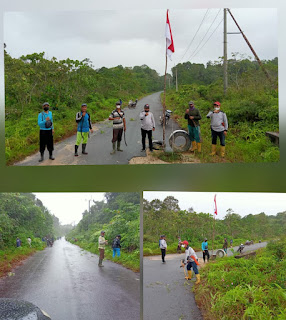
[185,242]
[217,103]
[146,106]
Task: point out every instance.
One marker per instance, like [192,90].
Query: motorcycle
[132,104]
[167,117]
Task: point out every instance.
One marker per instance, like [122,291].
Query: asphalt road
[66,282]
[99,145]
[166,293]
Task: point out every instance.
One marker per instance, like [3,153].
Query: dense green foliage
[166,217]
[253,288]
[251,105]
[118,214]
[33,79]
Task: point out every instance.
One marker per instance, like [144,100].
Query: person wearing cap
[193,116]
[101,246]
[147,126]
[119,124]
[83,121]
[163,247]
[46,124]
[219,127]
[205,250]
[191,260]
[116,246]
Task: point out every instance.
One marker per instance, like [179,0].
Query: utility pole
[251,48]
[225,82]
[176,79]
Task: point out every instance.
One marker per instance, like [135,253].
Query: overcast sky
[241,203]
[68,207]
[110,38]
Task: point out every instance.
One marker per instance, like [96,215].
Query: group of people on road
[102,242]
[219,127]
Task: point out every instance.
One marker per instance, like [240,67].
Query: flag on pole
[169,38]
[215,207]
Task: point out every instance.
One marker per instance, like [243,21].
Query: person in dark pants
[193,116]
[205,250]
[163,247]
[147,126]
[119,124]
[219,127]
[45,122]
[225,245]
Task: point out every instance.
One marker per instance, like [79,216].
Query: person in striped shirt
[119,124]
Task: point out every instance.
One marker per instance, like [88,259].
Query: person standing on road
[116,246]
[179,247]
[193,116]
[231,243]
[119,124]
[191,260]
[147,126]
[101,246]
[83,126]
[225,245]
[219,127]
[205,250]
[163,247]
[45,122]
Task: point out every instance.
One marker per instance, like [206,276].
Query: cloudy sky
[241,203]
[68,207]
[110,38]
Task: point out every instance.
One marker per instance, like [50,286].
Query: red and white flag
[169,38]
[215,207]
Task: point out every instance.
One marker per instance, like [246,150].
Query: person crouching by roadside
[219,127]
[116,246]
[147,126]
[83,121]
[101,246]
[191,261]
[163,247]
[193,116]
[119,124]
[45,122]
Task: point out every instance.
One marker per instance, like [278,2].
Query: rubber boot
[213,150]
[42,157]
[51,156]
[189,277]
[118,146]
[199,145]
[198,276]
[113,146]
[194,146]
[75,150]
[222,151]
[83,148]
[100,263]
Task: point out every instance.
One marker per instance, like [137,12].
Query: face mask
[216,108]
[46,108]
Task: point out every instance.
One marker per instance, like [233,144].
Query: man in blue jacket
[45,122]
[83,126]
[205,250]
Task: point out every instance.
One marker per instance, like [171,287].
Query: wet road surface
[66,282]
[166,293]
[99,144]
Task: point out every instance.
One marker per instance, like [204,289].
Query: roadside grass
[253,288]
[130,260]
[12,257]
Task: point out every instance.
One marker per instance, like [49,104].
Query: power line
[208,38]
[194,52]
[194,35]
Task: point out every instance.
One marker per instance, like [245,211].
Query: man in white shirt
[147,126]
[192,262]
[163,247]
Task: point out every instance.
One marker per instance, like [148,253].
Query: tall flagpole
[164,101]
[215,212]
